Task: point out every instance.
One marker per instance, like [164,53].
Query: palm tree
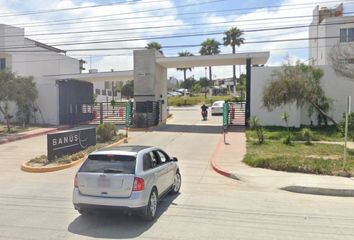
[233,38]
[154,45]
[210,47]
[184,54]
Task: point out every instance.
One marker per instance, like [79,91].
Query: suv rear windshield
[100,163]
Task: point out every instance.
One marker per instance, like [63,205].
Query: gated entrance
[237,113]
[110,112]
[150,88]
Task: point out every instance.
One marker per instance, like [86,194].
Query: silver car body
[217,107]
[116,189]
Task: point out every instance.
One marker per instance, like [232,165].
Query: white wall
[259,77]
[37,62]
[335,87]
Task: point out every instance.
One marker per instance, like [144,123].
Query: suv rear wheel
[151,208]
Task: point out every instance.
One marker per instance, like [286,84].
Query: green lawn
[15,128]
[299,157]
[329,133]
[195,100]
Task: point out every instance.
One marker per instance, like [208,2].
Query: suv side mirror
[174,159]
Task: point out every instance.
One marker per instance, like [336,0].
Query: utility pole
[347,111]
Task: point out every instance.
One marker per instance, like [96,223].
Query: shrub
[341,126]
[106,132]
[307,135]
[255,125]
[288,139]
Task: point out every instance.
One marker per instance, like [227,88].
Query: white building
[329,29]
[27,57]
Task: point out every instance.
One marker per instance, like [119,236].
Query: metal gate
[237,113]
[116,113]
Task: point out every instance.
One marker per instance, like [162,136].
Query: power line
[124,13]
[11,14]
[132,33]
[191,18]
[63,22]
[182,46]
[183,35]
[130,54]
[213,11]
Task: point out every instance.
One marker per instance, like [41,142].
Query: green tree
[154,45]
[7,92]
[233,37]
[298,84]
[128,89]
[119,88]
[197,88]
[188,83]
[20,90]
[184,54]
[25,96]
[209,47]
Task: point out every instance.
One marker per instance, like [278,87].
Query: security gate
[112,112]
[236,113]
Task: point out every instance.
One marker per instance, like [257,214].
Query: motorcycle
[205,115]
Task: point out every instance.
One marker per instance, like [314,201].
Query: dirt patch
[328,157]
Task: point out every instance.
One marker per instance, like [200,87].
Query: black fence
[147,114]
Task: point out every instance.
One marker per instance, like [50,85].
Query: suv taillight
[138,184]
[76,184]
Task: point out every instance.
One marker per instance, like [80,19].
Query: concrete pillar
[150,81]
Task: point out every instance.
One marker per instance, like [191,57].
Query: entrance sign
[70,141]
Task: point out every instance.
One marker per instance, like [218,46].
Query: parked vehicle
[217,107]
[129,178]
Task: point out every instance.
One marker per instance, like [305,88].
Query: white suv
[130,178]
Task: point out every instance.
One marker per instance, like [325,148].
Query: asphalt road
[210,206]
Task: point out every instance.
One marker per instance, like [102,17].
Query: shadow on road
[197,128]
[116,225]
[189,128]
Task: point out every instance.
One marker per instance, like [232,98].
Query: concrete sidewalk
[227,160]
[32,133]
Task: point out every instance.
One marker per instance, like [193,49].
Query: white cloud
[138,14]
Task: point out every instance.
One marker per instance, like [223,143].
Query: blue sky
[205,18]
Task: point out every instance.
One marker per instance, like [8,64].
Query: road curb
[320,191]
[219,170]
[13,139]
[26,168]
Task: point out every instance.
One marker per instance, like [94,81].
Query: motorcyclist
[204,111]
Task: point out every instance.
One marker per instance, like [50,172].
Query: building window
[109,93]
[346,35]
[346,61]
[2,63]
[106,85]
[97,91]
[350,34]
[343,35]
[103,92]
